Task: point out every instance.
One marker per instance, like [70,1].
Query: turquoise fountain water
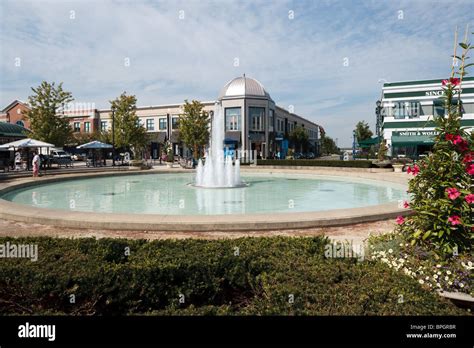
[172,194]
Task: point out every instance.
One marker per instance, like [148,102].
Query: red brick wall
[94,123]
[15,114]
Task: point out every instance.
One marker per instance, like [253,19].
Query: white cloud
[171,59]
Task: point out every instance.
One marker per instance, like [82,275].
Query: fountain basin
[140,220]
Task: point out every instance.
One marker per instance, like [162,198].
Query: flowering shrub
[441,187]
[454,274]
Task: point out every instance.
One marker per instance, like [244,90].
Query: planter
[382,164]
[398,168]
[136,163]
[460,299]
[169,164]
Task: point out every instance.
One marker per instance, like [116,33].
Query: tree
[328,146]
[382,153]
[194,127]
[363,131]
[441,190]
[299,137]
[129,133]
[47,121]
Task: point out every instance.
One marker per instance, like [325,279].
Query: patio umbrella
[95,145]
[25,143]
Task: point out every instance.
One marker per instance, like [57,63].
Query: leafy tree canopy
[129,133]
[46,113]
[328,146]
[194,127]
[299,137]
[363,131]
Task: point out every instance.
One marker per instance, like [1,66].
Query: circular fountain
[164,200]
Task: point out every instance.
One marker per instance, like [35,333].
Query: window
[162,123]
[271,120]
[256,117]
[77,126]
[404,109]
[440,110]
[278,125]
[103,126]
[174,122]
[20,123]
[150,124]
[232,119]
[87,127]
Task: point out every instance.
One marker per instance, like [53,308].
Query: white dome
[242,87]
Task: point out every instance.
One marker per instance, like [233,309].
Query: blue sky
[299,60]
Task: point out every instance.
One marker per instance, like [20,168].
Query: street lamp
[113,136]
[354,143]
[378,122]
[378,112]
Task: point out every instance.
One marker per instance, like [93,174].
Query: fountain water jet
[218,170]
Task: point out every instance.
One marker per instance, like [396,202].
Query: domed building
[255,124]
[243,87]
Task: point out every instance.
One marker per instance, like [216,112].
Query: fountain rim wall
[234,222]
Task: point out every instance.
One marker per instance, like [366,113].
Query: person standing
[36,164]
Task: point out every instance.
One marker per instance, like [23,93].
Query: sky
[327,59]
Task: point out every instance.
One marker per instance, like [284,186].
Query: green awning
[412,140]
[368,142]
[12,130]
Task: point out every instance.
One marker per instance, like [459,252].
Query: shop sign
[415,133]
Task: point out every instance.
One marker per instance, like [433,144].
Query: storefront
[412,144]
[408,113]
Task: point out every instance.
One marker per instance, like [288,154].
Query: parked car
[309,155]
[61,158]
[79,157]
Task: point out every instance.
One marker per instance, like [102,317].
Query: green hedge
[317,163]
[212,278]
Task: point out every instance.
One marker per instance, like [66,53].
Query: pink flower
[449,137]
[467,158]
[470,169]
[453,80]
[416,169]
[406,204]
[463,146]
[400,220]
[469,198]
[453,193]
[457,139]
[454,220]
